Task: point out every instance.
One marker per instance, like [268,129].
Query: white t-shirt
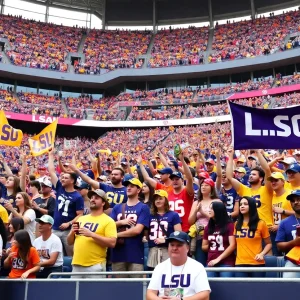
[46,248]
[30,227]
[187,280]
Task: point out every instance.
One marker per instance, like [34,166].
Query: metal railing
[227,269]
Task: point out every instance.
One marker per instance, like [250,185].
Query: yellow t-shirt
[289,186]
[263,200]
[86,251]
[249,243]
[3,214]
[282,203]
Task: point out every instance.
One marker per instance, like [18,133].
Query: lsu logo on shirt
[115,197]
[177,280]
[90,226]
[245,233]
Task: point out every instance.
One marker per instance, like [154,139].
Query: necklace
[172,273]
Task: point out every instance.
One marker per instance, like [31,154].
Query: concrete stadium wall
[85,290]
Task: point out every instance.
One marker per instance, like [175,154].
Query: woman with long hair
[250,233]
[218,240]
[24,210]
[15,225]
[147,193]
[163,222]
[10,189]
[199,215]
[22,258]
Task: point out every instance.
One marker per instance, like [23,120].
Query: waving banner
[44,141]
[254,128]
[9,136]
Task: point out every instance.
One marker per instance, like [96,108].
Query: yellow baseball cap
[241,170]
[276,175]
[133,181]
[161,193]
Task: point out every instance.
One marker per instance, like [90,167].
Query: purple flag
[254,128]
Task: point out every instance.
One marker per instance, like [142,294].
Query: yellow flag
[9,136]
[44,141]
[107,151]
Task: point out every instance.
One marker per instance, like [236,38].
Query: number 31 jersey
[182,204]
[157,222]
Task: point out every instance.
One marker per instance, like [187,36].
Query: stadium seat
[271,262]
[67,266]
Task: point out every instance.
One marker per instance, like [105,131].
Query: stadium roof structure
[168,12]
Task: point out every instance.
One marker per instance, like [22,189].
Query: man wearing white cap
[296,155]
[49,247]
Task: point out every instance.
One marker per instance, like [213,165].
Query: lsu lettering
[257,200]
[90,226]
[245,232]
[115,198]
[177,280]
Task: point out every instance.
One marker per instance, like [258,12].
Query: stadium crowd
[181,46]
[46,46]
[114,49]
[38,45]
[166,179]
[248,39]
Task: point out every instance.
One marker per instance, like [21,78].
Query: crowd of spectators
[287,80]
[247,39]
[164,113]
[88,102]
[287,100]
[181,46]
[167,95]
[39,45]
[291,44]
[250,85]
[114,49]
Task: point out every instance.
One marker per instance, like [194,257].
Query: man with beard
[115,193]
[262,194]
[91,235]
[131,219]
[288,236]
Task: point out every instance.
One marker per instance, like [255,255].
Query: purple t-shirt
[167,221]
[133,249]
[218,243]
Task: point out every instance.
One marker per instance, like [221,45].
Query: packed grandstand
[146,121]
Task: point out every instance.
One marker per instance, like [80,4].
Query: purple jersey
[218,243]
[157,222]
[133,249]
[67,204]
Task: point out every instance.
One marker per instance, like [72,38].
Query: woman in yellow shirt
[250,233]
